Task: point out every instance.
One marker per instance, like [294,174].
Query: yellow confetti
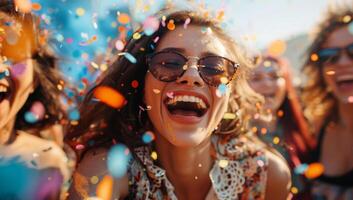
[136,36]
[294,190]
[223,163]
[276,140]
[94,65]
[94,179]
[80,12]
[156,91]
[154,155]
[347,19]
[229,116]
[254,129]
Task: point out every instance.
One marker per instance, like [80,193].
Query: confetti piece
[38,110]
[30,117]
[280,113]
[118,160]
[156,91]
[119,45]
[314,170]
[294,190]
[261,163]
[95,65]
[128,56]
[109,96]
[170,95]
[154,155]
[134,84]
[223,163]
[301,168]
[36,6]
[276,140]
[229,116]
[94,180]
[80,11]
[350,99]
[187,22]
[24,6]
[150,25]
[171,25]
[79,147]
[148,137]
[59,38]
[346,18]
[277,48]
[18,69]
[314,57]
[221,90]
[74,114]
[331,72]
[105,188]
[136,36]
[123,18]
[5,73]
[69,40]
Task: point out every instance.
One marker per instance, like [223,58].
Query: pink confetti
[187,21]
[170,94]
[18,69]
[38,110]
[150,25]
[79,147]
[69,40]
[119,45]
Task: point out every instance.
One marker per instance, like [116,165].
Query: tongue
[184,112]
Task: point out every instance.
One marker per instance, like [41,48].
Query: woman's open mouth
[188,107]
[4,92]
[345,82]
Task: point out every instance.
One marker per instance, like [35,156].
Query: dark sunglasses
[168,66]
[332,55]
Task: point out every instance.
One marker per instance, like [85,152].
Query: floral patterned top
[239,172]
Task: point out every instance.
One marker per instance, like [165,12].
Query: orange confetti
[171,25]
[277,48]
[314,170]
[105,188]
[123,18]
[36,6]
[314,57]
[109,96]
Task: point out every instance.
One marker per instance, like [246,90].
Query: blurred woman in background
[280,122]
[328,98]
[30,167]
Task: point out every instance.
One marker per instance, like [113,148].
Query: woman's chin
[184,138]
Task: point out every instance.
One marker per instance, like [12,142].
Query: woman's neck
[187,167]
[346,115]
[6,132]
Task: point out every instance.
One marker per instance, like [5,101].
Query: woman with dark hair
[181,86]
[30,167]
[328,101]
[280,121]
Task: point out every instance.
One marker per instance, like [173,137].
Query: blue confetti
[4,74]
[118,160]
[222,88]
[74,114]
[30,118]
[148,137]
[130,57]
[301,168]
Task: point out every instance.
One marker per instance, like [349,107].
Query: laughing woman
[328,101]
[30,167]
[188,78]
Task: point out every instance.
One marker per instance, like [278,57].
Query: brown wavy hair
[46,73]
[102,125]
[319,103]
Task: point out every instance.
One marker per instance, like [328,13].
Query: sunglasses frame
[187,59]
[338,53]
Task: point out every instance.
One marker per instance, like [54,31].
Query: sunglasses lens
[329,55]
[216,70]
[166,66]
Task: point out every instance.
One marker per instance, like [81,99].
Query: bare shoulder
[90,171]
[279,177]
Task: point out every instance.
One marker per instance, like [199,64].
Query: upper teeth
[347,77]
[187,98]
[3,88]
